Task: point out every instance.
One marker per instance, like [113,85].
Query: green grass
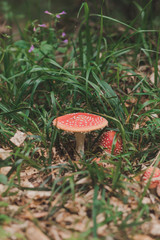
[98,72]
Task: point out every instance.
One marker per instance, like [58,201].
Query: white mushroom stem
[79,143]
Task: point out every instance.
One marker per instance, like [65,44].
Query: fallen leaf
[155,227]
[54,233]
[102,231]
[40,214]
[84,180]
[3,188]
[4,153]
[37,194]
[18,138]
[146,200]
[15,229]
[35,233]
[142,237]
[65,234]
[5,170]
[26,183]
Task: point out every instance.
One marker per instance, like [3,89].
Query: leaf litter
[35,214]
[35,211]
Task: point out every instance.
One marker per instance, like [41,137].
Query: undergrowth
[105,69]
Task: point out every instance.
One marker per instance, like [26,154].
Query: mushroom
[158,189]
[80,123]
[154,174]
[107,140]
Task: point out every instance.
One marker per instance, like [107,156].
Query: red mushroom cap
[106,141]
[80,122]
[156,174]
[158,189]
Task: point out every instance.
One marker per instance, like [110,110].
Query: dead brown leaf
[54,233]
[5,170]
[32,194]
[155,228]
[3,188]
[33,232]
[18,138]
[142,237]
[4,153]
[15,229]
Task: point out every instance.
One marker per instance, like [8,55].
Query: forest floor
[47,194]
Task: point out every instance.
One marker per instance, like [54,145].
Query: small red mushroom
[154,174]
[109,140]
[80,123]
[158,189]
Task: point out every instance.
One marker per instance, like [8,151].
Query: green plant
[45,74]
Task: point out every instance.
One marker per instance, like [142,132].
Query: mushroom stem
[79,143]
